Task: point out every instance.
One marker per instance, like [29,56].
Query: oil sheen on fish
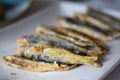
[104,17]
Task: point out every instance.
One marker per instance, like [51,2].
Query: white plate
[8,46]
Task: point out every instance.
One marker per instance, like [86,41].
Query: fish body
[65,23]
[65,42]
[106,29]
[26,64]
[97,32]
[91,43]
[55,41]
[69,36]
[48,50]
[106,18]
[53,47]
[52,54]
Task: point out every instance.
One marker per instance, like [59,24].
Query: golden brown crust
[26,64]
[21,41]
[55,52]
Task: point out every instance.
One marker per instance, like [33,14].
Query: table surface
[37,5]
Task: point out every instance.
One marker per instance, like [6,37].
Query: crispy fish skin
[76,38]
[106,18]
[26,64]
[83,41]
[22,41]
[88,19]
[34,48]
[66,23]
[56,41]
[107,29]
[94,43]
[75,35]
[61,43]
[59,55]
[49,53]
[44,50]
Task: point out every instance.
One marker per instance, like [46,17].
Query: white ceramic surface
[10,34]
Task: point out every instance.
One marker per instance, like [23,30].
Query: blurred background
[12,11]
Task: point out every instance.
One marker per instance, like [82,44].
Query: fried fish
[59,42]
[79,26]
[38,66]
[97,24]
[105,18]
[46,52]
[82,41]
[72,37]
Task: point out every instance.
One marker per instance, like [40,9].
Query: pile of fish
[76,41]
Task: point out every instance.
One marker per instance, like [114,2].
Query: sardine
[83,41]
[51,53]
[107,30]
[77,26]
[104,17]
[26,64]
[93,44]
[60,42]
[70,23]
[55,41]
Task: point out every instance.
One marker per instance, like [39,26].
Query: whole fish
[77,26]
[26,64]
[106,29]
[94,44]
[104,17]
[43,28]
[83,41]
[61,42]
[47,52]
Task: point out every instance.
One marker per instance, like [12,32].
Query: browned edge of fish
[26,64]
